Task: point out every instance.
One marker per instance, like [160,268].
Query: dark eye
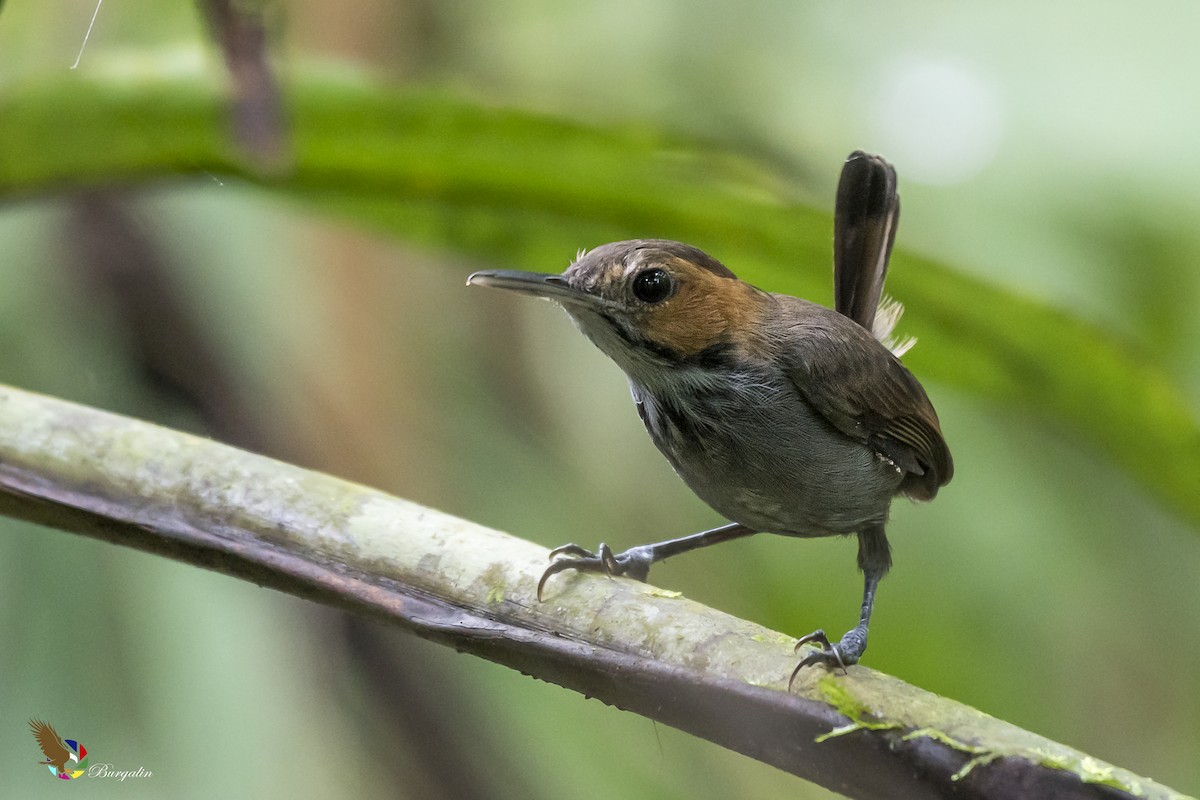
[652,285]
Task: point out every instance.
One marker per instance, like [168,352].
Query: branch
[628,644]
[257,107]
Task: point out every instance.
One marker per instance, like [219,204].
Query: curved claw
[818,636]
[830,654]
[573,550]
[634,562]
[573,556]
[555,568]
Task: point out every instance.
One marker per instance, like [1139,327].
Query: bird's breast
[749,445]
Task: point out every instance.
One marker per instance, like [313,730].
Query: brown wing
[51,744]
[866,393]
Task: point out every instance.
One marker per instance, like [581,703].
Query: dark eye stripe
[718,356]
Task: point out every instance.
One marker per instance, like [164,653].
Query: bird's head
[649,304]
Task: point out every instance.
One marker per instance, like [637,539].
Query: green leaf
[528,190]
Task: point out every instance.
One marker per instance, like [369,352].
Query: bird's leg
[874,559]
[634,562]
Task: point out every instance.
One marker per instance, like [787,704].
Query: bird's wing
[49,741]
[864,391]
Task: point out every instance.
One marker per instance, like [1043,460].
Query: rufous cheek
[705,311]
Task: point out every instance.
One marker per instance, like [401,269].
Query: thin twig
[86,36]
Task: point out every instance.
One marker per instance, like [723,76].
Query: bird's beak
[551,287]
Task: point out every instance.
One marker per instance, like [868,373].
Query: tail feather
[866,214]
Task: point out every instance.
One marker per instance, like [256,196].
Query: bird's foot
[634,562]
[840,655]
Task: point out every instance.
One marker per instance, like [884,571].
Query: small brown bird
[56,751]
[784,416]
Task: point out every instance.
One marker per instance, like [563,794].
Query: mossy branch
[628,644]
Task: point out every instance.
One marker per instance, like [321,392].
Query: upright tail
[864,226]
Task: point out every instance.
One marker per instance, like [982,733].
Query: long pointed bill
[551,287]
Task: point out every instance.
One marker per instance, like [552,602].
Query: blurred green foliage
[519,189]
[1043,585]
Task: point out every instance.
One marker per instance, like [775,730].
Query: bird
[56,751]
[781,414]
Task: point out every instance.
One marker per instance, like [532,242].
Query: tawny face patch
[704,309]
[676,297]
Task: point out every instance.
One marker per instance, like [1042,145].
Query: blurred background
[1049,149]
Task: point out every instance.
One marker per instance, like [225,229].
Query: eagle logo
[66,758]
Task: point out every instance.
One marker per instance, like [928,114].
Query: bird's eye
[653,285]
